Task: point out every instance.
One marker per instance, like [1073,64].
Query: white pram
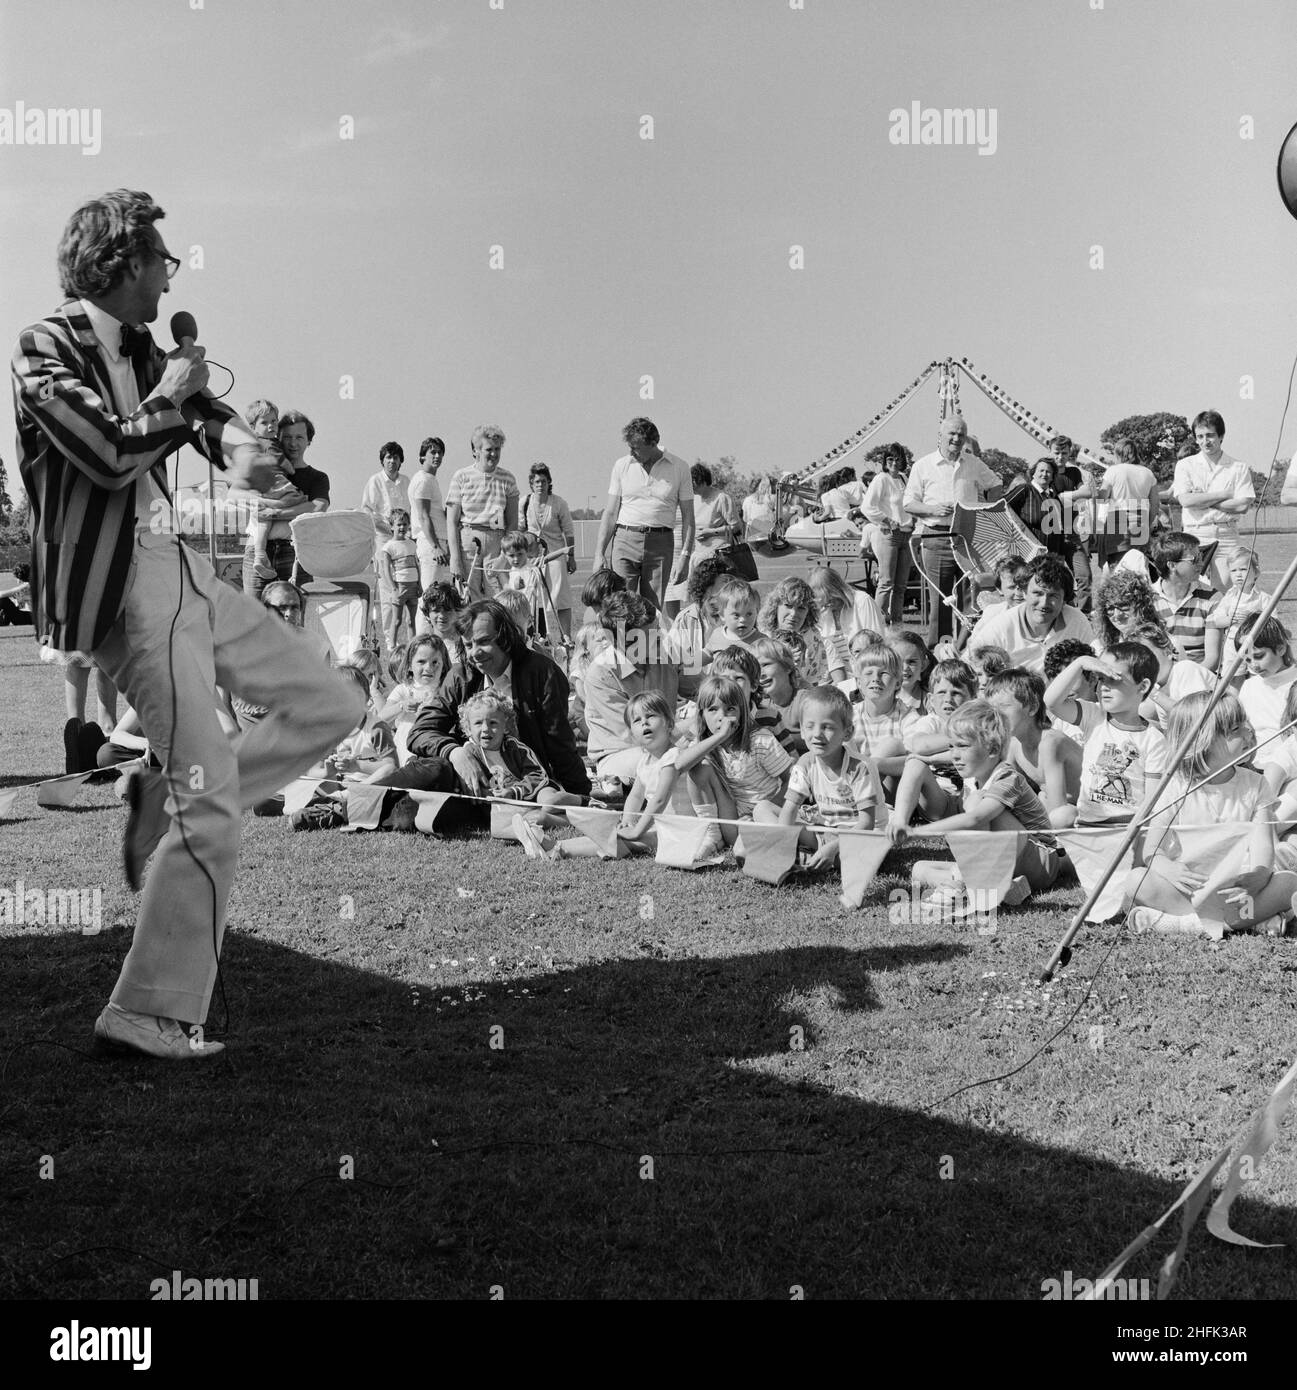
[337,548]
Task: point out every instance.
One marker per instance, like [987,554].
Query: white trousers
[180,634]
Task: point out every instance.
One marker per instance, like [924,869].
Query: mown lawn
[648,1127]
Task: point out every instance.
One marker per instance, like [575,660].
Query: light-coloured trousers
[181,633]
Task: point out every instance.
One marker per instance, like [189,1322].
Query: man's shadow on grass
[643,1128]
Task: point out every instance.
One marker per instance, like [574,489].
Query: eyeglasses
[171,263]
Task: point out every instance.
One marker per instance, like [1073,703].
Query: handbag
[740,560]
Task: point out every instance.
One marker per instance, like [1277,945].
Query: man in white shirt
[427,516]
[637,531]
[1214,491]
[1028,629]
[937,481]
[1135,505]
[387,491]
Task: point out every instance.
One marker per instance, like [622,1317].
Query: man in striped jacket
[99,407]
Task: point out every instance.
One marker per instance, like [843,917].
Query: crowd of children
[802,709]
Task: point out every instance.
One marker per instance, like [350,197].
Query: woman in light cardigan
[545,514]
[887,534]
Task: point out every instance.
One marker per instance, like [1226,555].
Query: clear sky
[520,127]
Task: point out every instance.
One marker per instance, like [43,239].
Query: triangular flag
[1221,853]
[365,806]
[768,851]
[60,791]
[681,840]
[596,825]
[298,794]
[8,799]
[1260,1139]
[502,814]
[860,856]
[430,804]
[1091,854]
[1195,1198]
[985,859]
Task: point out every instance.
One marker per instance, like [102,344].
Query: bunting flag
[365,806]
[985,859]
[681,840]
[299,793]
[768,851]
[429,804]
[502,814]
[596,825]
[1199,1186]
[1260,1139]
[59,792]
[1091,853]
[8,799]
[1194,1198]
[860,857]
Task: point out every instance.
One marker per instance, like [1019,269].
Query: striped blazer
[80,461]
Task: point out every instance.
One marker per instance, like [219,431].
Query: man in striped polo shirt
[1184,601]
[647,487]
[481,505]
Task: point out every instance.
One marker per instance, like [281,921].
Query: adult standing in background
[1134,506]
[387,491]
[637,531]
[547,515]
[936,482]
[295,434]
[887,533]
[1075,490]
[481,505]
[759,510]
[716,519]
[428,518]
[1214,490]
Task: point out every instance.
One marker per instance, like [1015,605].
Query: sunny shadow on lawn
[649,1023]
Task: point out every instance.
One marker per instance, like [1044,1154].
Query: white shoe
[123,1030]
[531,839]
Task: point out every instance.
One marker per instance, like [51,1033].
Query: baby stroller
[338,549]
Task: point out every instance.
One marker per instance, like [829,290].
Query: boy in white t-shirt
[398,590]
[1124,755]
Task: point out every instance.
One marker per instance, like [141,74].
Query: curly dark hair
[705,573]
[100,238]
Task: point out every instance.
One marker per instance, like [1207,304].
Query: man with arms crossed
[99,406]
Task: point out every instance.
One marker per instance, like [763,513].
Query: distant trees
[1157,439]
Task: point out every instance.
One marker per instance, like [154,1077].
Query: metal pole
[1062,952]
[211,512]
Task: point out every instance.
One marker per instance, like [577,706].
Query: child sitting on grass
[367,754]
[1278,761]
[994,796]
[1239,892]
[988,661]
[844,611]
[1124,755]
[1176,676]
[952,685]
[739,605]
[1057,659]
[661,785]
[783,690]
[1049,760]
[881,722]
[1241,600]
[419,672]
[1010,586]
[830,785]
[437,609]
[1271,671]
[915,658]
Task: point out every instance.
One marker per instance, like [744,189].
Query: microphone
[184,329]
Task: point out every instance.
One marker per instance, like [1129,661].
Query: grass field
[646,1125]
